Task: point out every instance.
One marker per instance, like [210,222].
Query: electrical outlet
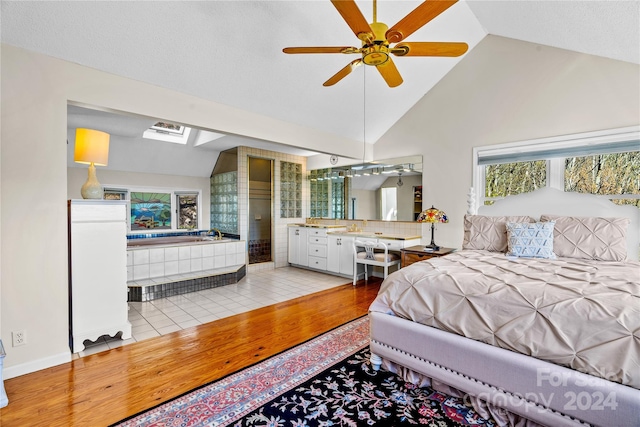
[19,338]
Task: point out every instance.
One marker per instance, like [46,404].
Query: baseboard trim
[36,365]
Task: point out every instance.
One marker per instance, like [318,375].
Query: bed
[549,340]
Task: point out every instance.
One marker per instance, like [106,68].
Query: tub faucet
[219,234]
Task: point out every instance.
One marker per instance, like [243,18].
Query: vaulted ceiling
[230,52]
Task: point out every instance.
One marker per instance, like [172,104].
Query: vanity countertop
[373,235]
[317,225]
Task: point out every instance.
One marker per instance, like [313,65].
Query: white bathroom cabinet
[340,255]
[97,270]
[298,246]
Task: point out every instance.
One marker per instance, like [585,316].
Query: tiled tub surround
[182,267]
[169,286]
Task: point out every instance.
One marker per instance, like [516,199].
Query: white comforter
[577,313]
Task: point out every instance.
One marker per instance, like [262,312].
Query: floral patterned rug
[326,381]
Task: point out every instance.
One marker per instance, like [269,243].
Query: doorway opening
[389,204]
[260,209]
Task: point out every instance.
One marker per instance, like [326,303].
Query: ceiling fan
[377,39]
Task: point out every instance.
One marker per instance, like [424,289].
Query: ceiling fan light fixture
[375,55]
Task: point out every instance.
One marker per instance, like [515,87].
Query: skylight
[168,132]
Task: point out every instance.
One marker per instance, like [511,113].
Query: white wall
[33,264]
[506,90]
[365,203]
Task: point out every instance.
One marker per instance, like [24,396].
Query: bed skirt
[496,378]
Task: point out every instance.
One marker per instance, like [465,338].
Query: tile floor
[257,289]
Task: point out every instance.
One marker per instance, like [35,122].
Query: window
[319,193]
[187,210]
[159,210]
[150,211]
[508,179]
[168,132]
[115,194]
[290,190]
[616,174]
[337,198]
[605,163]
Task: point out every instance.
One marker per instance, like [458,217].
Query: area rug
[326,381]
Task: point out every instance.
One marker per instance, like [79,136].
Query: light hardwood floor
[106,387]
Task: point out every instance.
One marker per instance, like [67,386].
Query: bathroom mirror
[388,190]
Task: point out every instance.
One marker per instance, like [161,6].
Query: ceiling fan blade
[390,73]
[321,49]
[354,18]
[343,72]
[417,18]
[429,49]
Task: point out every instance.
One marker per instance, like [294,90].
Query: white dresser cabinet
[97,270]
[340,256]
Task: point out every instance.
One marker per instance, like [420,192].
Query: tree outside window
[509,179]
[187,211]
[607,174]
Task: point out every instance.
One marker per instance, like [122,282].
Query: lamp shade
[433,215]
[92,146]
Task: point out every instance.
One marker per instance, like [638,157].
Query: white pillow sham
[602,239]
[488,233]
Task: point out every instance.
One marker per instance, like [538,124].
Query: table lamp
[92,147]
[433,215]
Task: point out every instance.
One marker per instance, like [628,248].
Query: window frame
[575,145]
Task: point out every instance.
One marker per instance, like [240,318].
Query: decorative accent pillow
[602,239]
[530,240]
[488,233]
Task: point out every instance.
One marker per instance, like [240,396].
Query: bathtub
[172,241]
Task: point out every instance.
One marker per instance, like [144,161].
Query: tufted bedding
[578,313]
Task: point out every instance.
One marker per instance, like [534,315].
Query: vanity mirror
[389,189]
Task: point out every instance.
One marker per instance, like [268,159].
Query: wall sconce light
[92,147]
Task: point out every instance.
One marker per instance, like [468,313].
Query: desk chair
[369,256]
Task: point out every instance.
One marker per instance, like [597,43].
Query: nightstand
[417,253]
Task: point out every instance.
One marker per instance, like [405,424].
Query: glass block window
[290,190]
[224,202]
[319,193]
[337,199]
